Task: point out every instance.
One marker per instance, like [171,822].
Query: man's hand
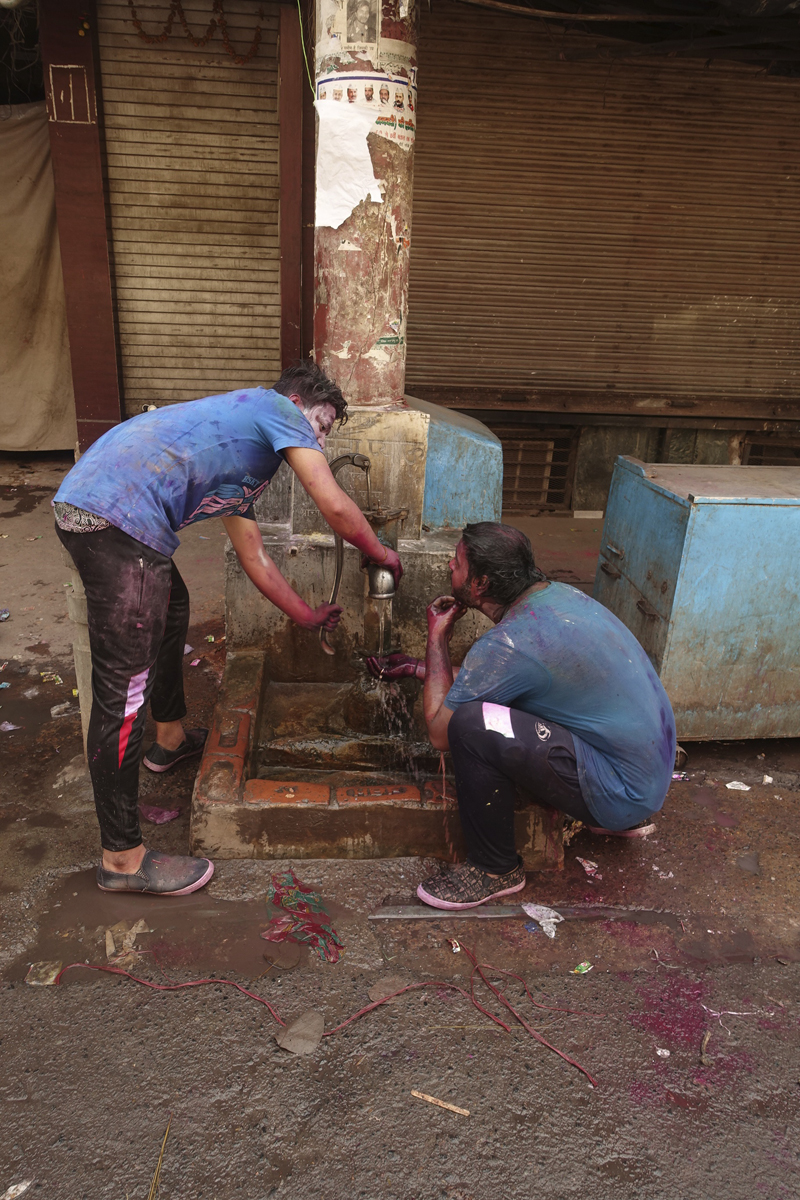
[443,612]
[326,616]
[395,666]
[262,571]
[391,561]
[342,514]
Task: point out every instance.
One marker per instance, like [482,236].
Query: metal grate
[536,467]
[772,454]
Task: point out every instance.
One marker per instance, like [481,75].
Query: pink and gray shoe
[643,829]
[467,887]
[159,875]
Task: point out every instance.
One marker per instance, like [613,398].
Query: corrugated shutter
[588,226]
[192,161]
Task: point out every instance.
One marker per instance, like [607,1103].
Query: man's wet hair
[504,556]
[308,381]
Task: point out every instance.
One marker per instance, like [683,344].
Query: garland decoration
[217,21]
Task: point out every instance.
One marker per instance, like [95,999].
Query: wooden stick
[151,1195]
[463,1112]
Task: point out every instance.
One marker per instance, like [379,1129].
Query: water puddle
[196,933]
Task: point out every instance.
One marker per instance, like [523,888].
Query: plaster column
[366,100]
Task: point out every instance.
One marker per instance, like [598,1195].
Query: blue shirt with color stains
[166,469]
[559,655]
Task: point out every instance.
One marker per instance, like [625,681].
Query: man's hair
[308,381]
[502,554]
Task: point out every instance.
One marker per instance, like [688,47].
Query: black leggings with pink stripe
[138,615]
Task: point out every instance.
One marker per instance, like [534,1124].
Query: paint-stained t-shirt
[561,656]
[169,468]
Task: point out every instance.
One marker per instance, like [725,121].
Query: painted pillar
[366,101]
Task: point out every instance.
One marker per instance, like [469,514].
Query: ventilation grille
[536,467]
[772,454]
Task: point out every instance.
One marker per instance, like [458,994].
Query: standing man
[559,700]
[118,512]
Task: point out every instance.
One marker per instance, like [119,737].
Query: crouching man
[559,700]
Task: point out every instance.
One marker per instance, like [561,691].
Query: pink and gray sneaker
[467,887]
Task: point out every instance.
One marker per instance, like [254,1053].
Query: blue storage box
[702,563]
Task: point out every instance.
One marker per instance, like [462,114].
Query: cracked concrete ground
[688,1019]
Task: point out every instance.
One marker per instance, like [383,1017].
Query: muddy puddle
[197,933]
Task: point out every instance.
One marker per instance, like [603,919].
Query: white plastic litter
[662,1053]
[548,918]
[735,786]
[18,1189]
[767,779]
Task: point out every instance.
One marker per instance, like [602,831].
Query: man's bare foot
[124,862]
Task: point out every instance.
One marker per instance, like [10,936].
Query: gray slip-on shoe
[159,875]
[159,759]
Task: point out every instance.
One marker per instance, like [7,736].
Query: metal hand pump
[343,460]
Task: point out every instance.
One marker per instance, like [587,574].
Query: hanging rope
[217,21]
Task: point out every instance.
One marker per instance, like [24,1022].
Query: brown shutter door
[192,153]
[593,228]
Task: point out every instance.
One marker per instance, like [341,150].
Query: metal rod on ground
[513,912]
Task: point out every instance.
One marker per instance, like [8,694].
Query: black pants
[539,760]
[138,614]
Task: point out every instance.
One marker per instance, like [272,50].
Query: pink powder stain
[724,1068]
[672,1013]
[644,1096]
[630,931]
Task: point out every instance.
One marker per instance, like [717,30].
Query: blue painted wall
[463,471]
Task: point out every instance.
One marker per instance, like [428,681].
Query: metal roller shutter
[192,167]
[587,228]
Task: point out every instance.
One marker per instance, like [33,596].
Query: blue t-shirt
[166,469]
[561,656]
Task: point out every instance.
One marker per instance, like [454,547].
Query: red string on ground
[478,969]
[171,987]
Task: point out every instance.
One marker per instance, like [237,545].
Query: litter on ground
[548,918]
[16,1189]
[158,816]
[302,921]
[462,1112]
[303,1035]
[736,786]
[43,974]
[590,868]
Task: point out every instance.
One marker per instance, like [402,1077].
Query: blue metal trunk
[701,563]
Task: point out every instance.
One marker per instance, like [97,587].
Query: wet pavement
[689,1018]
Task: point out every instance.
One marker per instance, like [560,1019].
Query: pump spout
[343,460]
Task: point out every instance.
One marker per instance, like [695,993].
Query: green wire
[305,56]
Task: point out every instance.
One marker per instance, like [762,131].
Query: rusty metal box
[702,563]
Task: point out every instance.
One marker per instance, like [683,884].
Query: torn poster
[344,168]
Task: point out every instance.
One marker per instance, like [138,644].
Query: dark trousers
[539,761]
[138,615]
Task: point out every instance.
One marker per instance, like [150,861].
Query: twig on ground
[463,1112]
[151,1195]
